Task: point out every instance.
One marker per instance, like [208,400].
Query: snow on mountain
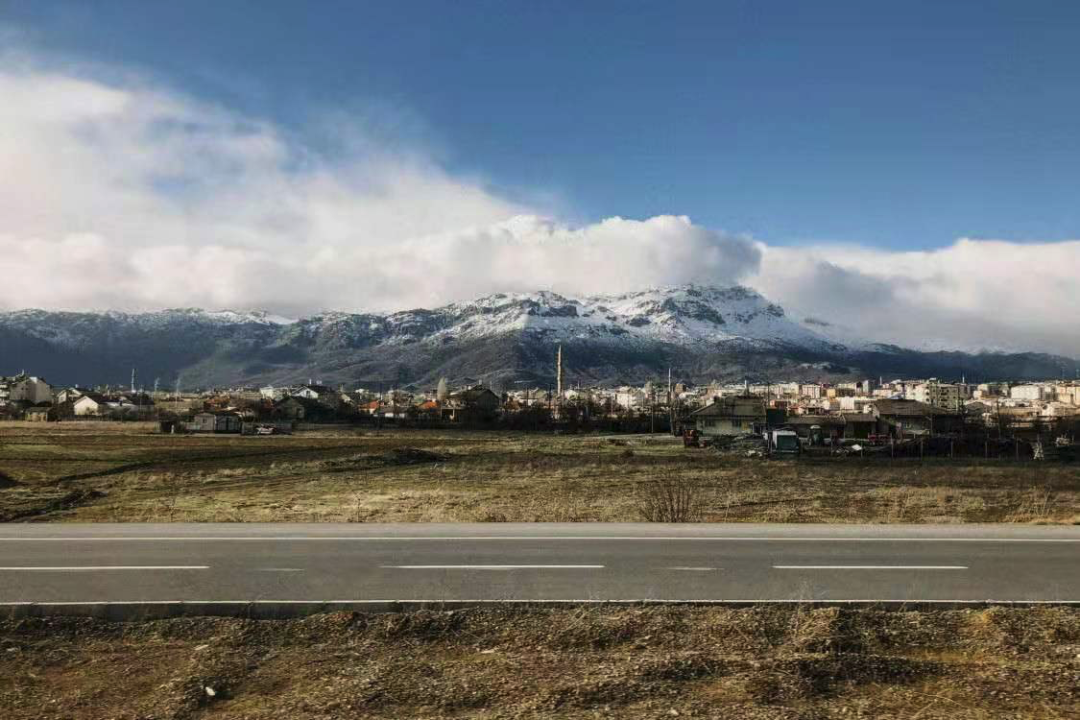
[260,317]
[704,331]
[690,315]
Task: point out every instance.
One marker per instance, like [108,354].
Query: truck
[783,443]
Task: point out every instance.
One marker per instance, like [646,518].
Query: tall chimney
[558,371]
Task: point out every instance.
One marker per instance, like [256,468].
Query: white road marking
[693,569]
[870,567]
[95,568]
[492,567]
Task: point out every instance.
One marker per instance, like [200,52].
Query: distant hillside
[702,332]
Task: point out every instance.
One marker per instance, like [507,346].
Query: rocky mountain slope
[701,332]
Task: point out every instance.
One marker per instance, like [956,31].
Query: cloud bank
[127,196]
[973,294]
[123,194]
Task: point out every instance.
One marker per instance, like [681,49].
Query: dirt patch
[6,481]
[762,662]
[412,456]
[39,506]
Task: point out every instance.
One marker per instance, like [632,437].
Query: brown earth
[115,472]
[658,662]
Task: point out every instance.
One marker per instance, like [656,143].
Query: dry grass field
[115,472]
[777,663]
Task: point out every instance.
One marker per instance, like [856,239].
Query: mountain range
[701,332]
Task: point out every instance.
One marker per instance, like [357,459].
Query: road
[130,563]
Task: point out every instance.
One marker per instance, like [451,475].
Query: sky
[906,170]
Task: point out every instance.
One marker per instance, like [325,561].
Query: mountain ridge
[701,331]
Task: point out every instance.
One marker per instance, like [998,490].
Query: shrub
[672,499]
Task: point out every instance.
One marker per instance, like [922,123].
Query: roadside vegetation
[120,472]
[776,662]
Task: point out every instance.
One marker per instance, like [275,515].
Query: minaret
[558,371]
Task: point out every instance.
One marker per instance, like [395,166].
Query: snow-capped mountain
[702,332]
[690,316]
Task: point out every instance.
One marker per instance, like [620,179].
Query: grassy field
[779,662]
[112,472]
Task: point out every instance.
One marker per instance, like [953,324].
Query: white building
[629,397]
[89,405]
[947,396]
[30,389]
[1028,393]
[1067,393]
[854,404]
[273,393]
[1055,409]
[991,390]
[70,394]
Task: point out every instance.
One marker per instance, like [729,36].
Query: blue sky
[906,170]
[894,125]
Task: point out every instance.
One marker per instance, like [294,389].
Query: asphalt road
[291,562]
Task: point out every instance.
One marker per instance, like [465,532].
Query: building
[272,393]
[897,418]
[629,397]
[40,413]
[216,422]
[70,394]
[1029,393]
[947,396]
[824,426]
[300,407]
[991,391]
[1067,393]
[475,405]
[853,404]
[732,415]
[846,426]
[29,389]
[371,408]
[89,405]
[319,393]
[1054,410]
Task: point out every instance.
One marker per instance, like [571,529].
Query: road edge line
[124,611]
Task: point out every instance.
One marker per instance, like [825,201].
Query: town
[863,413]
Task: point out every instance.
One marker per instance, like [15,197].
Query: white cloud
[973,294]
[121,194]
